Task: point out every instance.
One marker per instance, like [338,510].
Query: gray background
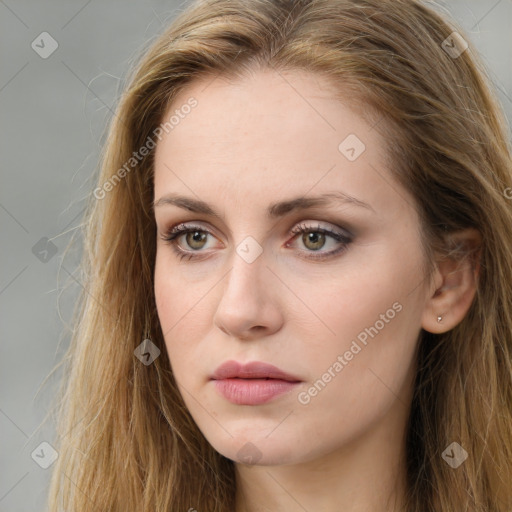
[54,112]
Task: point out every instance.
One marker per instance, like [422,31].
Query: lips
[253,370]
[253,383]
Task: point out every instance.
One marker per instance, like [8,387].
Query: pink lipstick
[253,383]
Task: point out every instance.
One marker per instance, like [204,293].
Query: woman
[299,272]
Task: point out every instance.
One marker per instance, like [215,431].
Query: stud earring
[439,318]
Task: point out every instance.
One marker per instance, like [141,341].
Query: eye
[314,238]
[195,237]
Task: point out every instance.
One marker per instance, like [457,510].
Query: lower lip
[252,391]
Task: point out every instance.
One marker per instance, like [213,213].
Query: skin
[249,143]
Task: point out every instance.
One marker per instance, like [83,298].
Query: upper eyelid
[315,225]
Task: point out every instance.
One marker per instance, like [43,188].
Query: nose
[249,306]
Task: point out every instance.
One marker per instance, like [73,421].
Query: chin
[259,450]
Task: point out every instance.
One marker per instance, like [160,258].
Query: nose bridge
[248,267]
[246,306]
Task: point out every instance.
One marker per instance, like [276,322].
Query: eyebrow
[274,211]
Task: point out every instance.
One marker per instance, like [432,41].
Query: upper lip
[253,370]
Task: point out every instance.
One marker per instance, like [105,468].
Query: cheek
[180,286]
[342,308]
[364,338]
[171,307]
[362,373]
[182,316]
[173,295]
[163,296]
[361,344]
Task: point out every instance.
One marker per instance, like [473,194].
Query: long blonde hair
[126,441]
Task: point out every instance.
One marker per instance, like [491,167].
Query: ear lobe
[458,275]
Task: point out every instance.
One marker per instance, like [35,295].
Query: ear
[455,281]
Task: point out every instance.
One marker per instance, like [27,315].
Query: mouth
[254,383]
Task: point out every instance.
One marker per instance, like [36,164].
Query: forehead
[270,134]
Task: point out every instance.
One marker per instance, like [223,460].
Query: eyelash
[173,234]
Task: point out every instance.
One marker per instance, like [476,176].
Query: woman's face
[329,291]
